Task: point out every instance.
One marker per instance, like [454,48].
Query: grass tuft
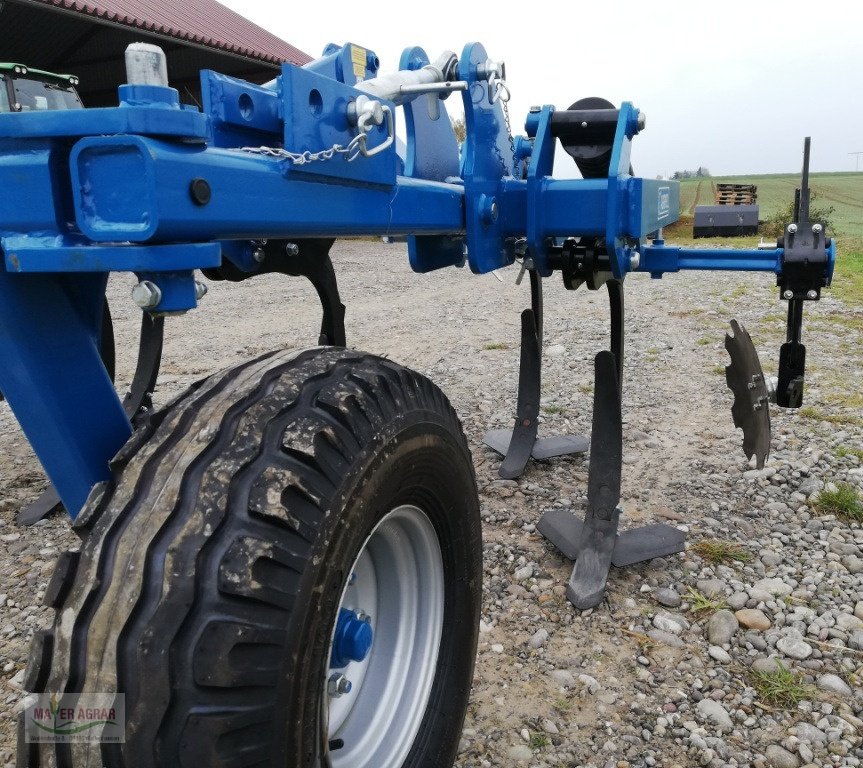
[699,603]
[844,502]
[538,740]
[495,345]
[842,451]
[781,688]
[715,551]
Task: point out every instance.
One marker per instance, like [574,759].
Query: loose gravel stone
[752,618]
[834,684]
[668,597]
[765,666]
[520,753]
[719,654]
[714,714]
[794,648]
[722,627]
[778,757]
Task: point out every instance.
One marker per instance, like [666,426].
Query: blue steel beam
[251,197]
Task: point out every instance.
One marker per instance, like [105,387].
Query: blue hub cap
[352,640]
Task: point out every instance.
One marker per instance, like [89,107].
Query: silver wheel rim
[397,581]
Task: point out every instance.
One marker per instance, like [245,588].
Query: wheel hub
[353,638]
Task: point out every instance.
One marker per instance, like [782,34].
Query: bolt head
[146,294]
[792,228]
[635,260]
[338,685]
[788,295]
[811,294]
[536,108]
[200,290]
[292,249]
[816,229]
[259,254]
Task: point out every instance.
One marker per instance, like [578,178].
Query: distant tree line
[700,173]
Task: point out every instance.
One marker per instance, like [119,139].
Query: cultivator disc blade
[751,409]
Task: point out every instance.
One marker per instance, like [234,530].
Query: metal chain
[501,93]
[356,147]
[351,152]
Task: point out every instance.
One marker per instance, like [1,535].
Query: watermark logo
[50,718]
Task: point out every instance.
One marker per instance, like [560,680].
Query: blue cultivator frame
[162,189]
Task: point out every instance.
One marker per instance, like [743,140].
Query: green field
[844,191]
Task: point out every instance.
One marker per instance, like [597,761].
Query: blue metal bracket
[55,380]
[240,113]
[432,154]
[315,110]
[620,247]
[55,253]
[539,170]
[349,63]
[488,158]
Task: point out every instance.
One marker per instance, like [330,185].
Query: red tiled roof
[204,22]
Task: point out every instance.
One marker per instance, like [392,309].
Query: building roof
[202,22]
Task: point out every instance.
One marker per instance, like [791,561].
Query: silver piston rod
[407,84]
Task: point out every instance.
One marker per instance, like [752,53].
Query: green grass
[551,409]
[843,191]
[848,277]
[699,603]
[782,688]
[495,345]
[844,502]
[539,740]
[715,551]
[842,451]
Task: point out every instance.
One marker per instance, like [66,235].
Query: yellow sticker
[358,56]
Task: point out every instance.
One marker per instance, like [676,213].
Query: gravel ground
[645,679]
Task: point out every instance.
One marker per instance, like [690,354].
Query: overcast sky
[733,86]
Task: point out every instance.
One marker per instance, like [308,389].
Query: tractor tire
[285,570]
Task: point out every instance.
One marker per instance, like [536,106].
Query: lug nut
[292,249]
[200,290]
[792,228]
[811,294]
[816,229]
[338,685]
[147,294]
[259,254]
[788,295]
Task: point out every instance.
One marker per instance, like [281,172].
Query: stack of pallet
[736,194]
[735,212]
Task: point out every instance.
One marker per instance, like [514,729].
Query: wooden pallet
[736,194]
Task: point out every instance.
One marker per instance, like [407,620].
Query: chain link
[500,92]
[356,147]
[351,152]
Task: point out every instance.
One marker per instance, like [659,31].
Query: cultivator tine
[750,411]
[594,543]
[527,412]
[47,503]
[590,573]
[522,443]
[147,370]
